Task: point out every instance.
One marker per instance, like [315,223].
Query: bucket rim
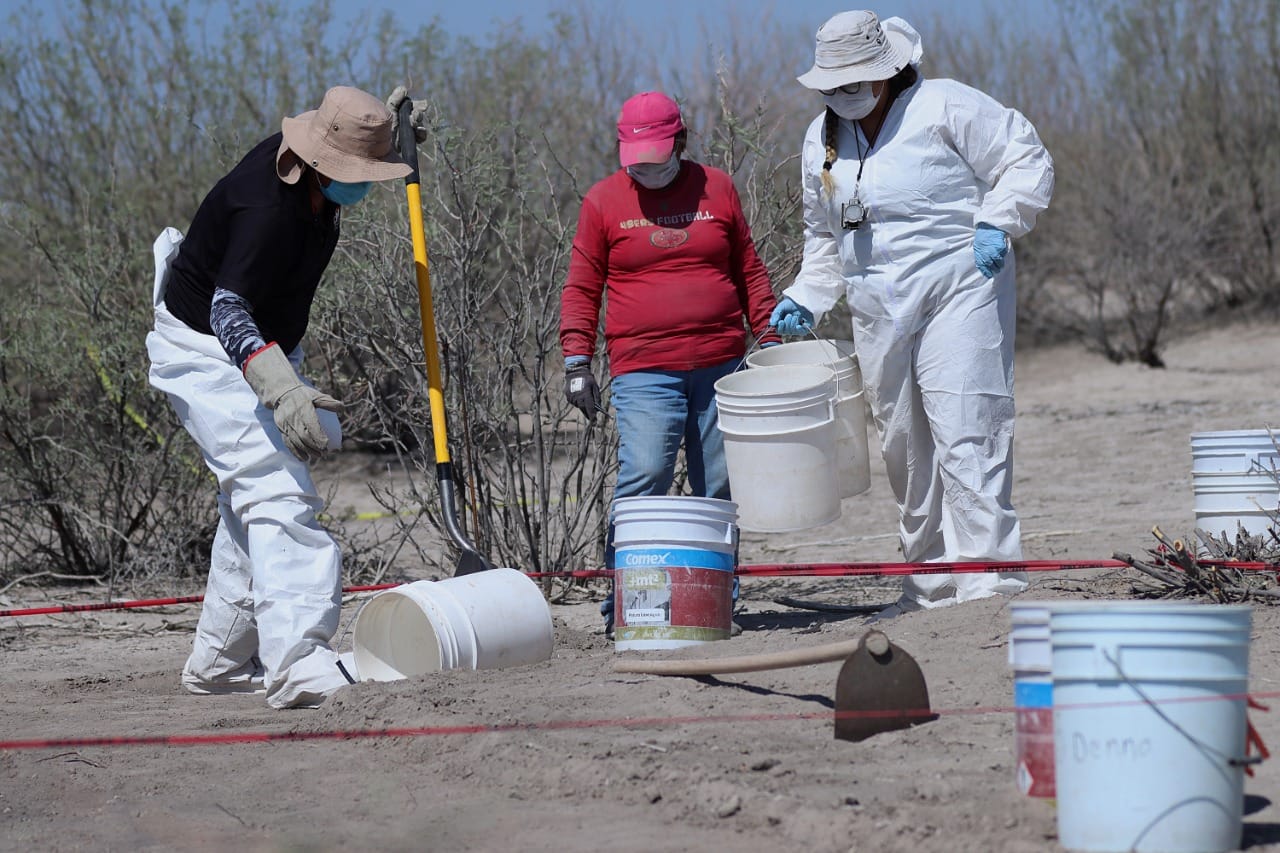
[448,643]
[1235,433]
[819,376]
[1114,606]
[1222,476]
[689,500]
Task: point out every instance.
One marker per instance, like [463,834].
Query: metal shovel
[470,560]
[880,689]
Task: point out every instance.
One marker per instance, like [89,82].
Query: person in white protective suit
[912,191]
[232,301]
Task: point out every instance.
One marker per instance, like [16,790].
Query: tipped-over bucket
[484,620]
[853,464]
[674,558]
[1031,658]
[1149,703]
[779,429]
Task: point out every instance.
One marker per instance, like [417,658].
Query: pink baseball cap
[647,128]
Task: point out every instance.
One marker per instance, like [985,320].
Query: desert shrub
[118,115]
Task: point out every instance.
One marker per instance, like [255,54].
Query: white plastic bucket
[852,457]
[1225,500]
[485,620]
[1149,725]
[1234,451]
[1031,657]
[674,560]
[779,429]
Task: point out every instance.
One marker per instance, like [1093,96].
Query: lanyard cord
[858,133]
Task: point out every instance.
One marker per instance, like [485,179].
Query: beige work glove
[417,115]
[294,403]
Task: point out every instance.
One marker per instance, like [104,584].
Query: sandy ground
[744,762]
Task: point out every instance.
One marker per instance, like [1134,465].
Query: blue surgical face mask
[341,193]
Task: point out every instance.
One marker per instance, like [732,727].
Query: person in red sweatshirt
[664,243]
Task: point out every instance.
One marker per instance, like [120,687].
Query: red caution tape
[146,602]
[549,725]
[779,570]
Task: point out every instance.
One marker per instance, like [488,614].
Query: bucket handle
[1112,656]
[755,345]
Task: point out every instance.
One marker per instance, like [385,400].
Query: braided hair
[898,83]
[830,125]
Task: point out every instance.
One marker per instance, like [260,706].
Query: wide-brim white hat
[852,47]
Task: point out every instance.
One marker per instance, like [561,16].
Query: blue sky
[477,18]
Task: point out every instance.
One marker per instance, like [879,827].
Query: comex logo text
[647,559]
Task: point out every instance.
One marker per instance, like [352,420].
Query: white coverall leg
[945,420]
[275,576]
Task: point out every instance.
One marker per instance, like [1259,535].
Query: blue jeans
[656,411]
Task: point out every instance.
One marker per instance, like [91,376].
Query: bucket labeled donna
[853,463]
[674,559]
[779,428]
[484,620]
[1235,480]
[1031,658]
[1149,725]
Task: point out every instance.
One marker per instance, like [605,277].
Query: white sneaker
[223,688]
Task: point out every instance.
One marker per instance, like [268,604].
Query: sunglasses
[848,89]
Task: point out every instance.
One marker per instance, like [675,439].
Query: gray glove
[417,115]
[277,385]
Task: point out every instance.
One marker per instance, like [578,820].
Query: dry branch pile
[1175,569]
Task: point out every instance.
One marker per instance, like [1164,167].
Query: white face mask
[655,176]
[855,106]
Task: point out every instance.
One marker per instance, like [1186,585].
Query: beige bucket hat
[852,47]
[347,139]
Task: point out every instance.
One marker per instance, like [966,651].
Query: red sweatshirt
[679,268]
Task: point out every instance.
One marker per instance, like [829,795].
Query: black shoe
[606,610]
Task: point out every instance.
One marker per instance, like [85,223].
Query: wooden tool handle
[745,663]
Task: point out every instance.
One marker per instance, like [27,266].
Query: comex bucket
[1031,658]
[674,560]
[1235,480]
[779,429]
[484,620]
[853,464]
[1149,725]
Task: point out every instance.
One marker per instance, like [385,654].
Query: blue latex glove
[990,245]
[791,318]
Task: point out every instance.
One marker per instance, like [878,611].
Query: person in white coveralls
[913,190]
[232,301]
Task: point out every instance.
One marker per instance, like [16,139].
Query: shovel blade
[470,562]
[880,689]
